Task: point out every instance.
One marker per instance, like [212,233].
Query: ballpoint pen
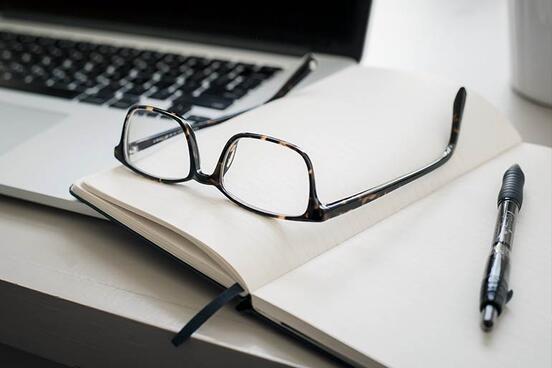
[494,288]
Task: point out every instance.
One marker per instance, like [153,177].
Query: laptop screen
[292,27]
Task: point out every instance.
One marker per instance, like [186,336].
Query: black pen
[494,288]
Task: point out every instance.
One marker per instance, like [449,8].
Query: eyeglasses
[262,174]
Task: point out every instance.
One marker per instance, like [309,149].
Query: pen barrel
[505,223]
[494,288]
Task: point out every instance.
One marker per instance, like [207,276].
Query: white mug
[531,48]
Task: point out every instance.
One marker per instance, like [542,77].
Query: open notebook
[370,285]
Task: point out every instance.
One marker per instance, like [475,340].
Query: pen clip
[509,295]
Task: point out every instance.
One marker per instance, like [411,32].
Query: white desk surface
[95,264]
[99,268]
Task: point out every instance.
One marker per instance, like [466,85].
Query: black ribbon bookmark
[203,315]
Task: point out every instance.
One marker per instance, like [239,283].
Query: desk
[81,291]
[85,291]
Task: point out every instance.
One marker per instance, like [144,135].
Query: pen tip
[488,316]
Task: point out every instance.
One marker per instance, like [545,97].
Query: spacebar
[38,88]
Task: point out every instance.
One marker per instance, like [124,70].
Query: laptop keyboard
[118,77]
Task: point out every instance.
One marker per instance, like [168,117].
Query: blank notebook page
[405,292]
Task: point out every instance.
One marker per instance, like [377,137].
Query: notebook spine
[203,315]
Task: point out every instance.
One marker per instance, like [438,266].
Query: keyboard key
[180,108]
[84,46]
[88,83]
[247,72]
[139,80]
[94,100]
[226,67]
[162,84]
[161,94]
[128,52]
[269,70]
[195,60]
[136,90]
[106,49]
[66,44]
[198,77]
[245,66]
[77,88]
[222,80]
[105,93]
[114,85]
[172,74]
[189,86]
[234,94]
[6,55]
[151,56]
[249,83]
[46,41]
[38,88]
[7,36]
[124,103]
[58,84]
[196,119]
[259,76]
[212,102]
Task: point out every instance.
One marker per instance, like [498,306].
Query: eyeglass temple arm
[306,67]
[347,204]
[308,64]
[141,144]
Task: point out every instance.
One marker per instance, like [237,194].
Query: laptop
[68,73]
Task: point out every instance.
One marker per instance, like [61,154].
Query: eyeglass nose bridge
[225,161]
[203,178]
[230,155]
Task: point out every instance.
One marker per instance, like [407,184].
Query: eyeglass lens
[156,145]
[266,175]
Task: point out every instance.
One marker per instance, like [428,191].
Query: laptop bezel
[353,48]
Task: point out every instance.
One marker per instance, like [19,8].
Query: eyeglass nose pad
[230,157]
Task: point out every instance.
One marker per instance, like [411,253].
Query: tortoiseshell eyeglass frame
[316,211]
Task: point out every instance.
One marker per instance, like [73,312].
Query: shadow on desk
[11,357]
